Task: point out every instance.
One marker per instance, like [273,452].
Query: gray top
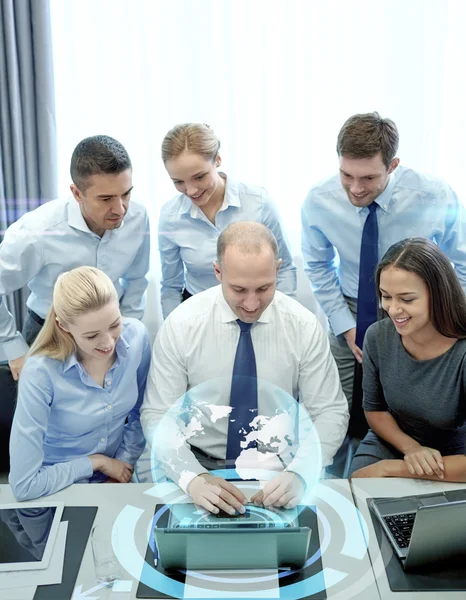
[426,397]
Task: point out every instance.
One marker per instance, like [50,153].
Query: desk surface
[372,488]
[347,569]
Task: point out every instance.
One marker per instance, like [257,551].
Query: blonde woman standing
[208,201]
[80,391]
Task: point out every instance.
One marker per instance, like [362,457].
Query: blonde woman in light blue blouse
[208,201]
[80,391]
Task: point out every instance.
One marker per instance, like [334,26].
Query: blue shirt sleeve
[453,242]
[134,281]
[172,281]
[133,441]
[20,260]
[29,478]
[320,266]
[286,280]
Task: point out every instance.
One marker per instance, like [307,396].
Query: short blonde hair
[197,138]
[76,292]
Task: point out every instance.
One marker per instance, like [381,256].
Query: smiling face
[105,201]
[96,332]
[197,178]
[405,298]
[248,281]
[364,179]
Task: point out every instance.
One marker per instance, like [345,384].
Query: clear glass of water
[107,567]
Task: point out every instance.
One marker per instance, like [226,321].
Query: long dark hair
[447,301]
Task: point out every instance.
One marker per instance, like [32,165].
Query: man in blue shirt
[350,220]
[98,227]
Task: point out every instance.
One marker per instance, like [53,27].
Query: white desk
[347,569]
[373,488]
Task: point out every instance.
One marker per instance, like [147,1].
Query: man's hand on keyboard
[285,489]
[214,493]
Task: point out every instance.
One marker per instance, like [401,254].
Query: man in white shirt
[199,343]
[98,227]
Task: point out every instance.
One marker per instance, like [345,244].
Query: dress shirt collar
[231,198]
[384,199]
[186,205]
[75,217]
[231,191]
[227,315]
[76,220]
[121,350]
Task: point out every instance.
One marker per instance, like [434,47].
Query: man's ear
[279,264]
[217,271]
[393,165]
[218,161]
[76,193]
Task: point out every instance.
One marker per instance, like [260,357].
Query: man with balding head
[239,335]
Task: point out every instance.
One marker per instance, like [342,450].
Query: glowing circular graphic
[345,532]
[280,435]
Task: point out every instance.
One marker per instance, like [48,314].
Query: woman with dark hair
[414,369]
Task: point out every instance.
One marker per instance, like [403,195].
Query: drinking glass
[107,567]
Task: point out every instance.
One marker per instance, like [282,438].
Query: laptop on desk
[191,538]
[426,528]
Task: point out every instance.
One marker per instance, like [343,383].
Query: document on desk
[23,593]
[248,583]
[51,575]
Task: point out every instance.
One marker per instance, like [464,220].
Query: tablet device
[27,534]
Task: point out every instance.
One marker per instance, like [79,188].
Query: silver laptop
[424,529]
[191,538]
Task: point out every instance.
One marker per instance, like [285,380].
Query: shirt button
[109,407]
[102,440]
[108,382]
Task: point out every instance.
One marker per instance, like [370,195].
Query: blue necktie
[243,397]
[367,294]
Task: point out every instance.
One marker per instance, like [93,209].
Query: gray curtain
[28,175]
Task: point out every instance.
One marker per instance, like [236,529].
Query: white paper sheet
[10,580]
[250,586]
[23,593]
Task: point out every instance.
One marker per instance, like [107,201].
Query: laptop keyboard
[401,527]
[235,525]
[218,525]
